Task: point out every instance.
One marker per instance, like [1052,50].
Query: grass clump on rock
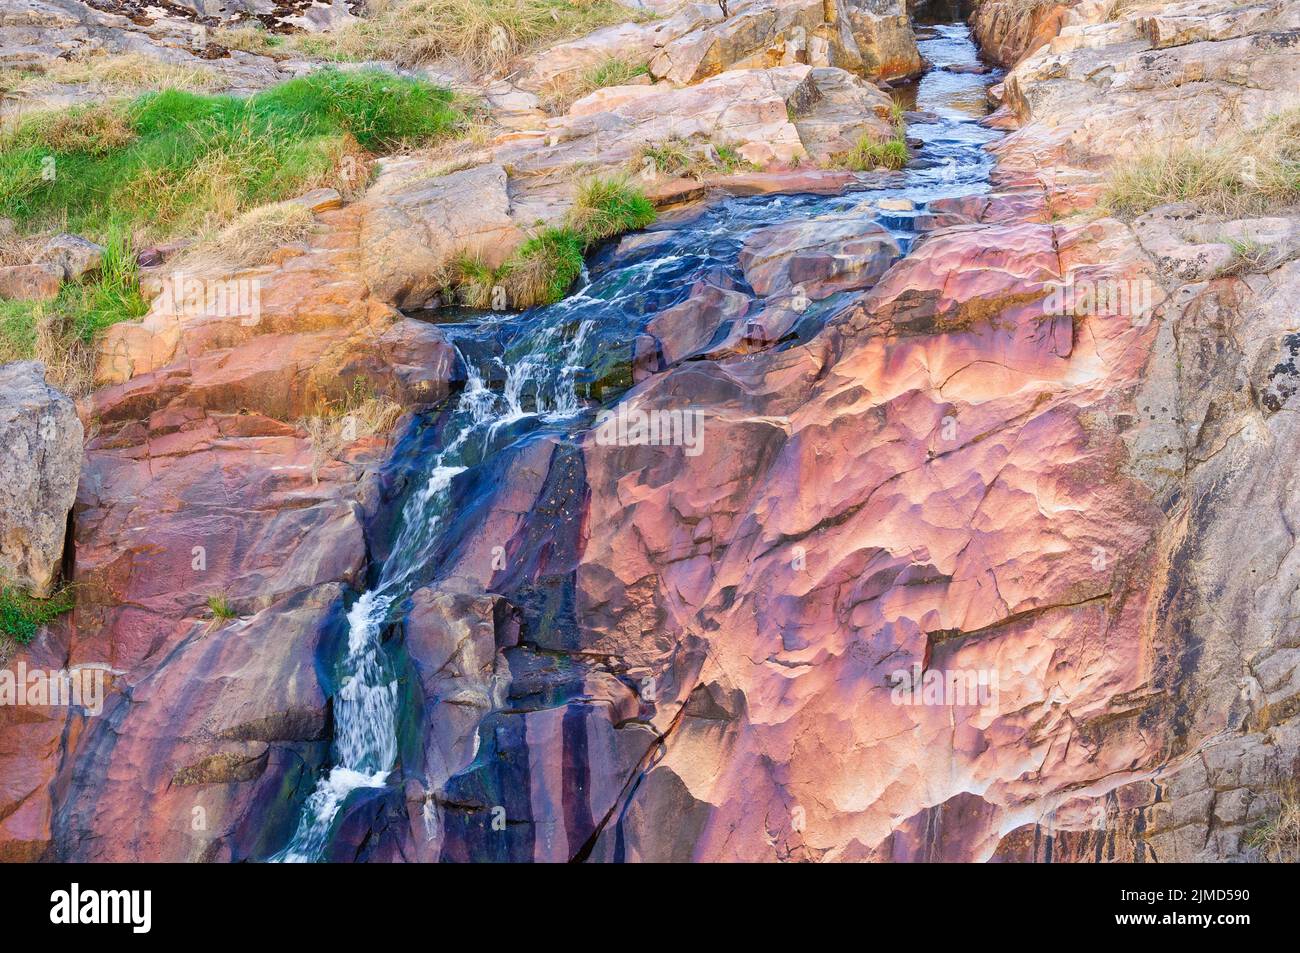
[61,333]
[615,71]
[21,616]
[1277,840]
[361,413]
[132,172]
[1249,172]
[544,268]
[870,154]
[481,34]
[682,158]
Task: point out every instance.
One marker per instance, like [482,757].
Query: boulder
[30,282]
[42,438]
[817,257]
[883,31]
[415,226]
[74,255]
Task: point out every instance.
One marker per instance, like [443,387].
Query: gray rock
[41,436]
[75,255]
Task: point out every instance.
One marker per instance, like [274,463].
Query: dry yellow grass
[482,34]
[1278,840]
[251,239]
[247,39]
[96,130]
[358,416]
[69,361]
[130,73]
[1249,172]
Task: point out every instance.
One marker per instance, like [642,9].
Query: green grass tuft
[693,160]
[175,162]
[608,207]
[221,608]
[21,616]
[545,267]
[871,153]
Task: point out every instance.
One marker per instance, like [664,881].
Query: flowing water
[538,374]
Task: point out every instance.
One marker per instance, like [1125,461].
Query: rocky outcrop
[42,436]
[1109,87]
[291,336]
[866,36]
[633,43]
[414,226]
[871,37]
[1002,447]
[1009,30]
[771,118]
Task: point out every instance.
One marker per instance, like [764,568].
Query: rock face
[414,227]
[635,43]
[1111,87]
[42,436]
[1009,30]
[985,554]
[871,36]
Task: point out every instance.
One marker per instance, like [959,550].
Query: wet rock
[818,257]
[38,476]
[229,732]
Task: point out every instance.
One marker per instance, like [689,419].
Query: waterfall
[524,375]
